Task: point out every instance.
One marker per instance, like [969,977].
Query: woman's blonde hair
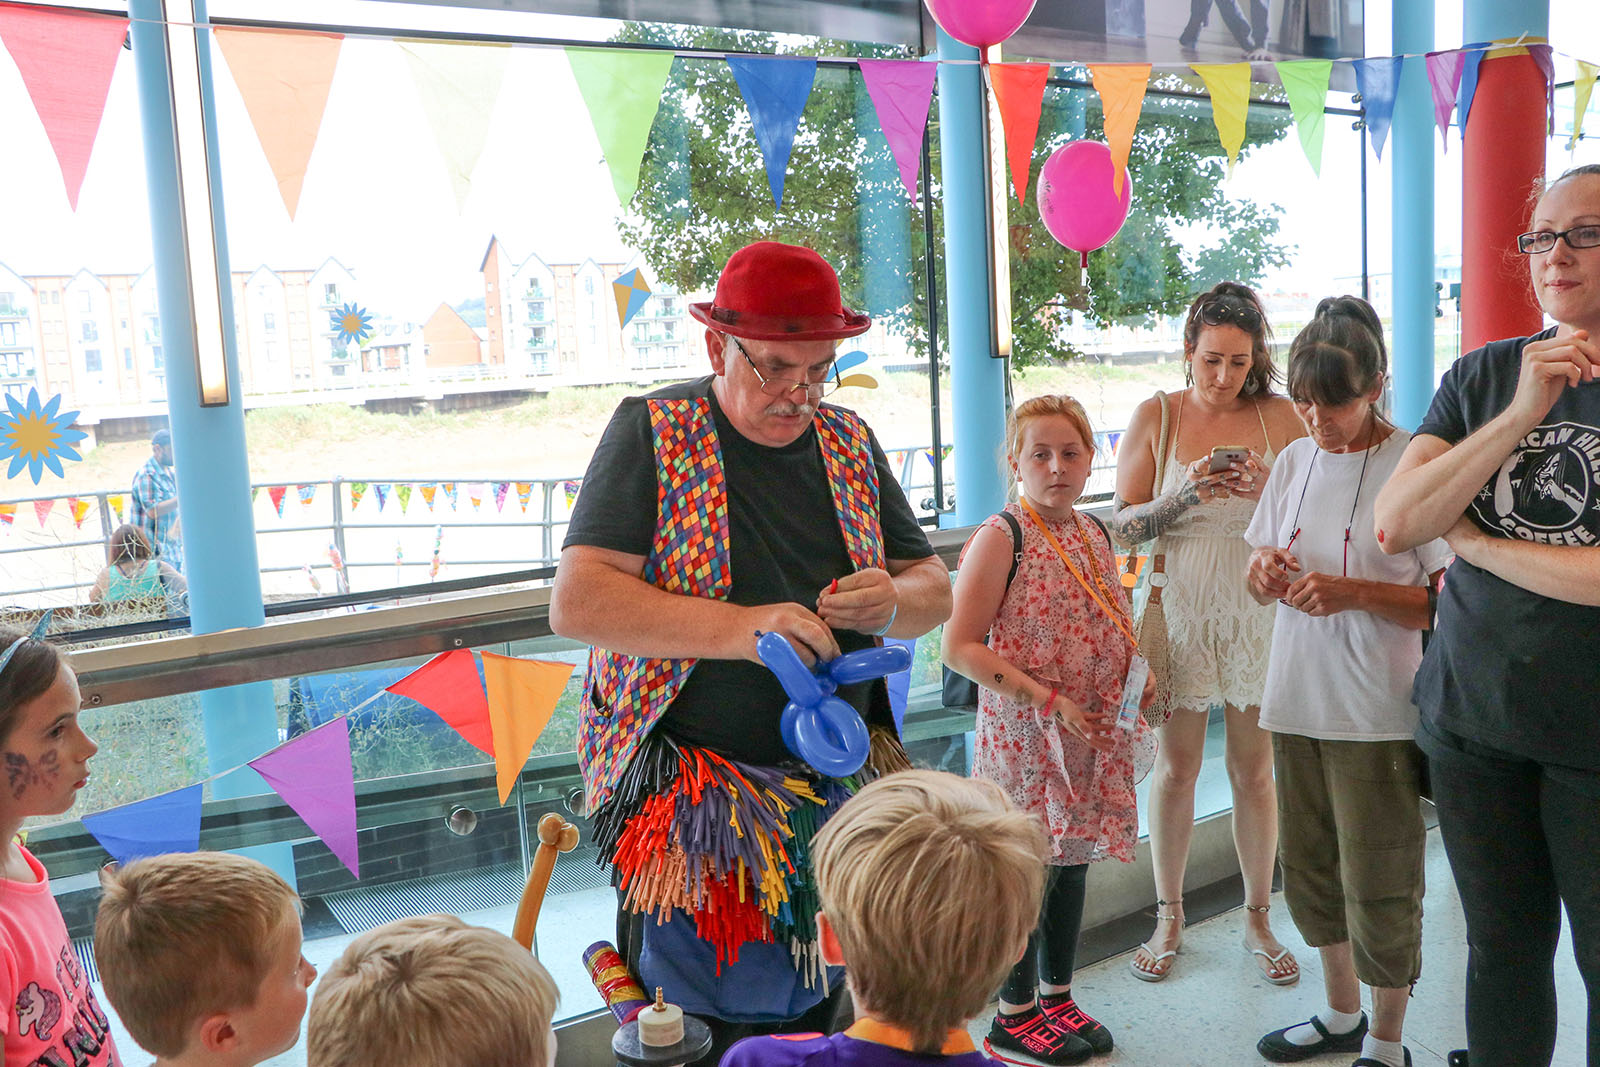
[1039,407]
[932,883]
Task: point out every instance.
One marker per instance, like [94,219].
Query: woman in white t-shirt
[1345,648]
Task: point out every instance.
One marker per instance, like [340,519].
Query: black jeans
[1523,839]
[1053,946]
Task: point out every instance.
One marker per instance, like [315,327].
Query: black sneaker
[1064,1014]
[1031,1034]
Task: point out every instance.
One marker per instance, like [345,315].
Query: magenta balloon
[980,23]
[1075,195]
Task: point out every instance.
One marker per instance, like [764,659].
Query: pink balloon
[1075,195]
[980,23]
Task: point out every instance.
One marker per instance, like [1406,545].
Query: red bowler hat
[771,291]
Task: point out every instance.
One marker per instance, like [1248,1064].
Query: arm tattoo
[1134,524]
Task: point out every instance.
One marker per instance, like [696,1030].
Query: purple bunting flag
[153,827]
[381,490]
[775,90]
[312,774]
[901,90]
[1444,77]
[1545,58]
[1379,81]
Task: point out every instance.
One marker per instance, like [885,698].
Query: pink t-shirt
[51,1017]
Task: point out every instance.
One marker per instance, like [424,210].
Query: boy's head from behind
[200,955]
[931,884]
[431,991]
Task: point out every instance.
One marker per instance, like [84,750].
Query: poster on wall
[1190,31]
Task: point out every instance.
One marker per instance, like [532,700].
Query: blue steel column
[977,381]
[1411,213]
[213,473]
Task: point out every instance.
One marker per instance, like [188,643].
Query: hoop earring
[1251,387]
[1188,371]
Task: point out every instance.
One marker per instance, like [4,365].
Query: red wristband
[1051,699]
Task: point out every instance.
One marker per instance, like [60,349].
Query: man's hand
[1323,594]
[864,601]
[809,635]
[1271,572]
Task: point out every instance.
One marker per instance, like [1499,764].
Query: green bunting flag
[1306,83]
[622,90]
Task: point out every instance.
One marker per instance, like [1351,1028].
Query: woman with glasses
[1196,506]
[1338,696]
[1506,466]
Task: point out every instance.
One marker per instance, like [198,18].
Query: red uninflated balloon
[1076,196]
[980,23]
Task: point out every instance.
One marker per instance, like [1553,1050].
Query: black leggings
[1053,946]
[1523,839]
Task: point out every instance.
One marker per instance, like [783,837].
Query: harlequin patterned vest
[625,696]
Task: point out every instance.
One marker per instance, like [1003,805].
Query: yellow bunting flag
[1582,88]
[119,504]
[1229,86]
[522,695]
[80,510]
[8,514]
[1121,87]
[284,77]
[458,84]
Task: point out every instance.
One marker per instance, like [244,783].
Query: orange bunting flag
[284,77]
[80,510]
[522,696]
[1121,87]
[428,490]
[524,491]
[8,514]
[1019,94]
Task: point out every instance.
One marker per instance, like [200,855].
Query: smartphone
[1223,455]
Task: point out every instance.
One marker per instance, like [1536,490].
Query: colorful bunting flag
[1378,81]
[357,491]
[570,490]
[448,685]
[1582,89]
[1444,79]
[900,90]
[284,77]
[522,693]
[1121,87]
[1472,57]
[428,489]
[255,491]
[1229,86]
[474,494]
[276,493]
[79,509]
[156,826]
[775,90]
[524,490]
[313,775]
[622,88]
[1544,58]
[403,491]
[1305,82]
[306,493]
[500,489]
[41,510]
[8,514]
[118,503]
[1019,95]
[66,59]
[381,491]
[631,292]
[450,493]
[458,83]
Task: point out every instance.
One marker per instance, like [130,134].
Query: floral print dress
[1049,626]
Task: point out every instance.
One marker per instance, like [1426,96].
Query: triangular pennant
[66,60]
[458,83]
[428,489]
[284,77]
[448,685]
[403,491]
[1582,89]
[1544,58]
[524,491]
[306,493]
[255,491]
[900,90]
[276,493]
[474,494]
[570,490]
[79,509]
[1444,78]
[1305,82]
[8,514]
[357,491]
[1471,58]
[156,826]
[500,490]
[450,493]
[775,90]
[522,694]
[1229,86]
[631,292]
[119,503]
[622,88]
[1019,94]
[381,491]
[1121,87]
[1378,81]
[42,509]
[312,774]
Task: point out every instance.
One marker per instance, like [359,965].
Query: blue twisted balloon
[818,726]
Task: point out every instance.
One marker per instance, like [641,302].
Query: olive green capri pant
[1351,843]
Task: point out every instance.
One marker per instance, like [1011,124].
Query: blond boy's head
[431,991]
[931,884]
[200,955]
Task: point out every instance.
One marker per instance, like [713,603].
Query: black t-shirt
[786,545]
[1507,667]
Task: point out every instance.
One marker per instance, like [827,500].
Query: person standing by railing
[155,501]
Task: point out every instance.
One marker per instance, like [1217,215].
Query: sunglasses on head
[1229,313]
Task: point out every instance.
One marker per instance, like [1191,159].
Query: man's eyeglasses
[1544,240]
[785,386]
[1229,313]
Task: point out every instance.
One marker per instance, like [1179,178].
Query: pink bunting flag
[66,59]
[900,90]
[313,775]
[500,490]
[41,509]
[1444,77]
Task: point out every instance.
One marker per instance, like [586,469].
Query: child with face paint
[50,1014]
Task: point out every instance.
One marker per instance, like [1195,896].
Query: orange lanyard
[1117,615]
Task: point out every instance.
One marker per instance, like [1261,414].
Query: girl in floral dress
[1051,674]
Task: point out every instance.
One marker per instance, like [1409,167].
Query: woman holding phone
[1215,442]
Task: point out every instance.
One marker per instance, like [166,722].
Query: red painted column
[1502,161]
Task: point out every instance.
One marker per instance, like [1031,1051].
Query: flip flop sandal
[1283,979]
[1156,960]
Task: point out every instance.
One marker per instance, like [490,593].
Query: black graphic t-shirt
[785,545]
[1508,667]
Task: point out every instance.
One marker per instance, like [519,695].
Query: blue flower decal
[36,437]
[353,324]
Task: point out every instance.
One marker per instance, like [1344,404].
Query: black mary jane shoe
[1279,1049]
